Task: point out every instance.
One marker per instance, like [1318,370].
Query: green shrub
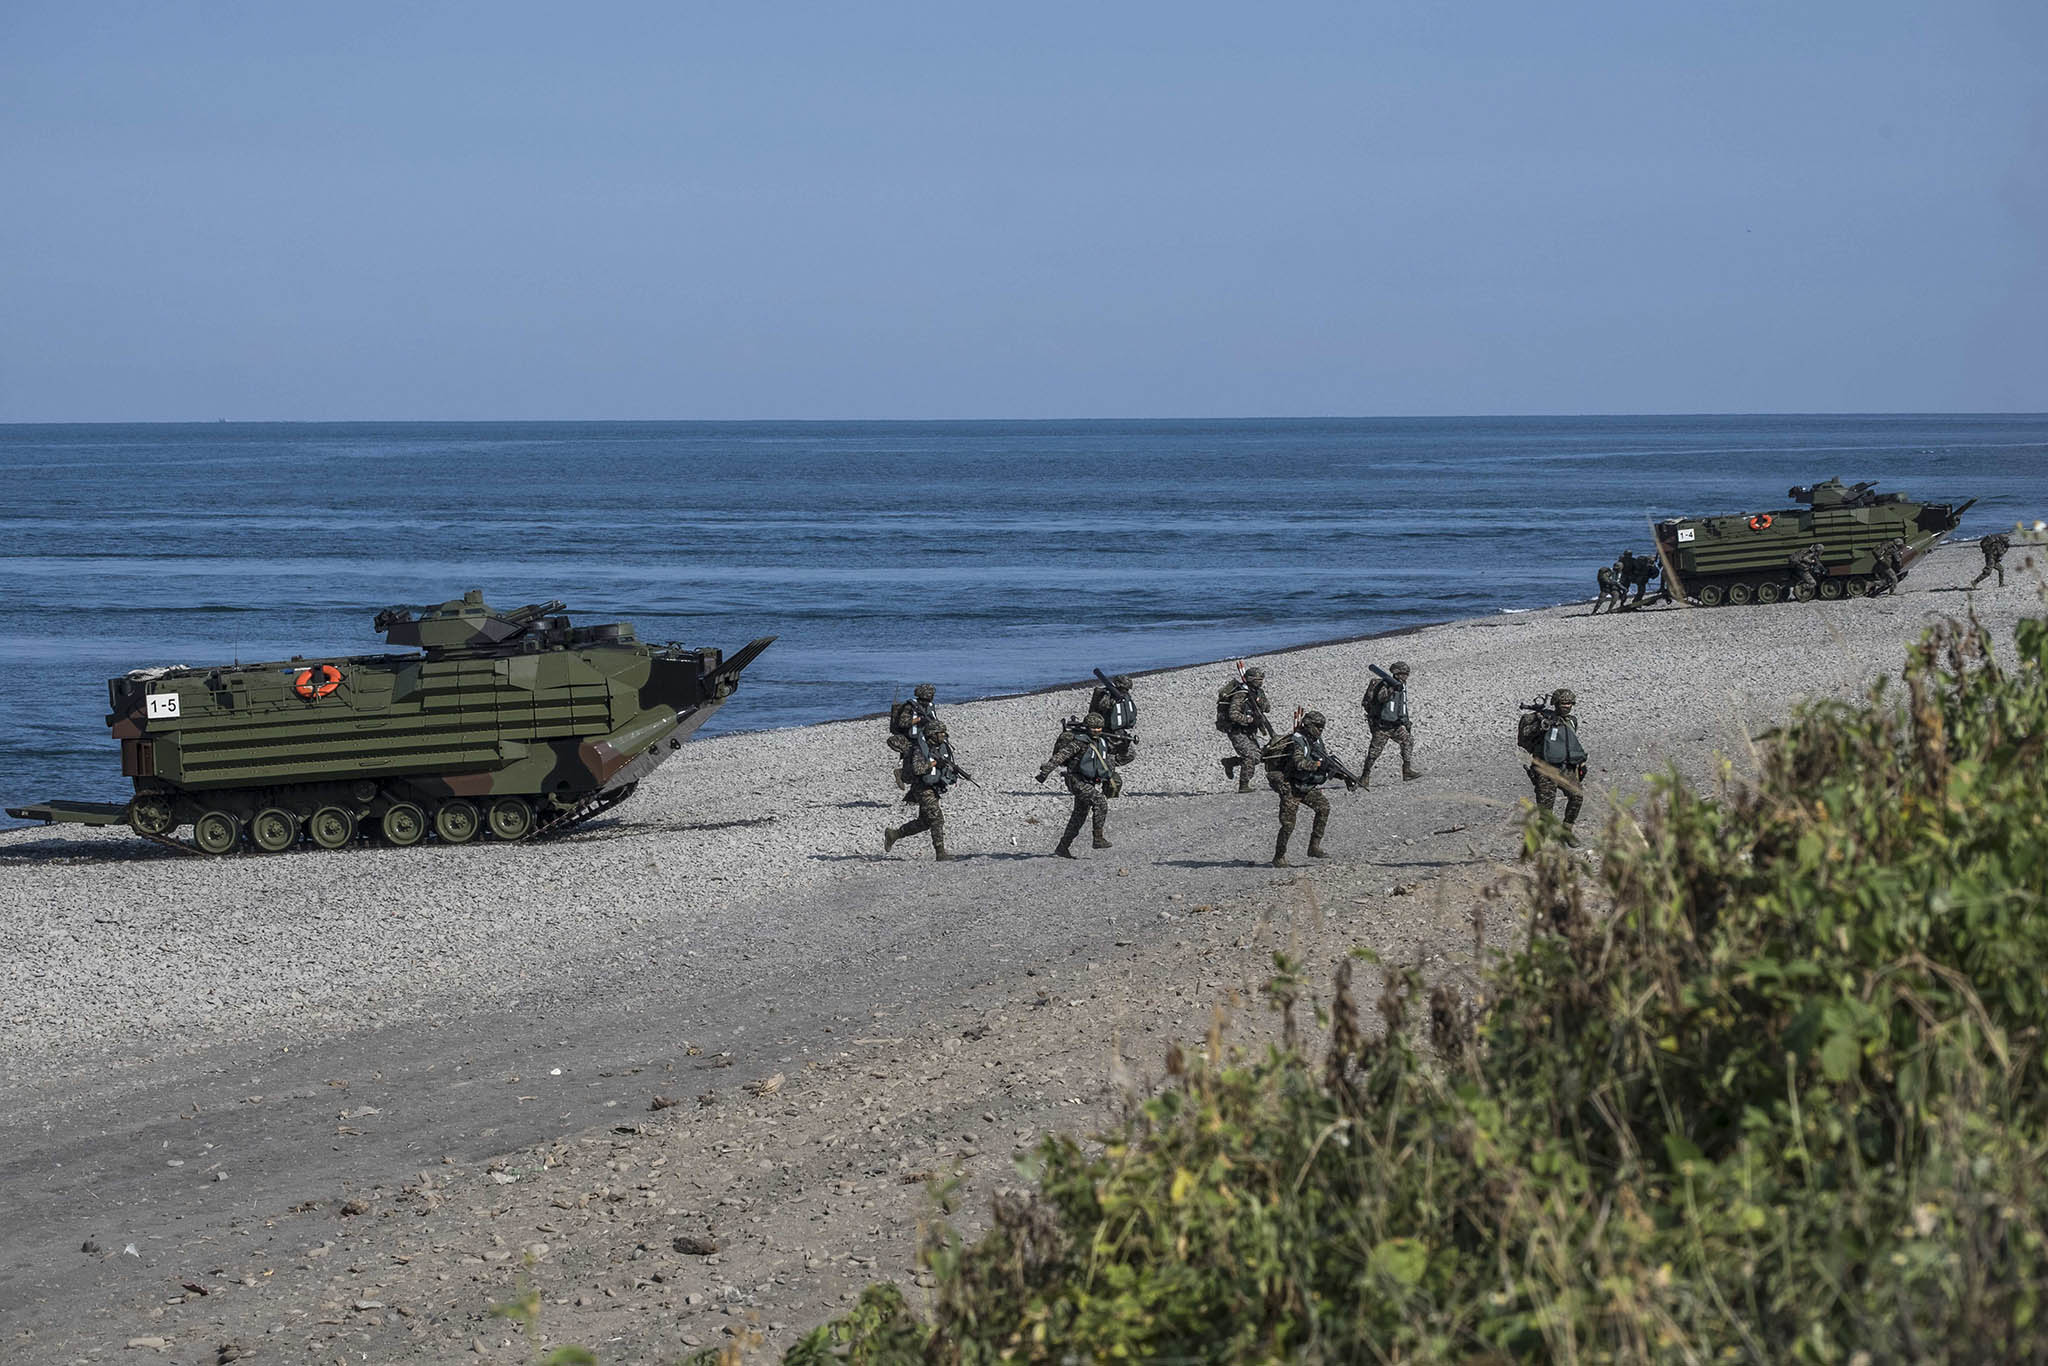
[1771,1089]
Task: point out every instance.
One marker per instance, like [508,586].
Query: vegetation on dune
[1780,1097]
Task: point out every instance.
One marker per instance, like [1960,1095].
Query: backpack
[1223,696]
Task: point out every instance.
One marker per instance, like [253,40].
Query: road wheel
[1858,587]
[403,824]
[1831,589]
[1710,596]
[1739,594]
[455,821]
[216,832]
[510,818]
[1769,592]
[151,816]
[331,827]
[274,830]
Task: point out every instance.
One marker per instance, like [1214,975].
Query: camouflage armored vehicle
[512,724]
[1745,557]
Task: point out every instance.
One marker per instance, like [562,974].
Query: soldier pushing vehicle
[1301,764]
[1084,752]
[929,768]
[1549,734]
[1608,576]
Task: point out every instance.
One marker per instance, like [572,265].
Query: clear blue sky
[422,210]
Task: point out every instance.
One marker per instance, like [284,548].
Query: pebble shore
[112,950]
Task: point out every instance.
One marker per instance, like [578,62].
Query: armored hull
[507,725]
[1745,557]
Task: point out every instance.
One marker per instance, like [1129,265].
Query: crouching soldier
[928,770]
[1994,547]
[1808,567]
[1302,764]
[1550,736]
[1608,577]
[1091,778]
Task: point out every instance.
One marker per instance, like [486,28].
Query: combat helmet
[1121,682]
[936,730]
[1314,720]
[1564,699]
[1399,668]
[924,692]
[1092,721]
[1255,675]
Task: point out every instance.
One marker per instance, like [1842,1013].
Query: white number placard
[1686,533]
[162,705]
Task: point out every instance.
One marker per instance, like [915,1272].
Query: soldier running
[1808,565]
[1549,734]
[1091,777]
[928,770]
[1303,764]
[1608,576]
[1994,547]
[1386,716]
[1241,711]
[907,720]
[1114,703]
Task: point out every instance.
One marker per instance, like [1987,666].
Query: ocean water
[985,557]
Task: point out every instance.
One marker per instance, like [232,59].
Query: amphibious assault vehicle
[1744,557]
[514,724]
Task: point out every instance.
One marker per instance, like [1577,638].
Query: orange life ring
[1760,522]
[330,679]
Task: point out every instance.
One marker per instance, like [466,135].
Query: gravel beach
[739,913]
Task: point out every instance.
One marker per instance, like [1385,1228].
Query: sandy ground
[350,1096]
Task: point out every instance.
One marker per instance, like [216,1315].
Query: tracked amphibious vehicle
[1744,557]
[511,725]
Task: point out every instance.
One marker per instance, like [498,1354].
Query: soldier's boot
[1280,848]
[939,848]
[1230,763]
[890,834]
[1365,776]
[1315,849]
[1102,841]
[1244,779]
[1065,848]
[1409,775]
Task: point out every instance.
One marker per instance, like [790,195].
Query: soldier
[1994,548]
[1556,758]
[1118,709]
[1808,565]
[928,770]
[1091,777]
[1889,561]
[1241,710]
[907,720]
[1301,765]
[1386,716]
[1636,572]
[1611,592]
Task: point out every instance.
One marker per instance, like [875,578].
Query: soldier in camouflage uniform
[1994,548]
[1636,572]
[928,770]
[1556,758]
[1808,566]
[1091,778]
[1386,716]
[1302,764]
[907,720]
[1241,716]
[1890,564]
[1611,591]
[1118,708]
